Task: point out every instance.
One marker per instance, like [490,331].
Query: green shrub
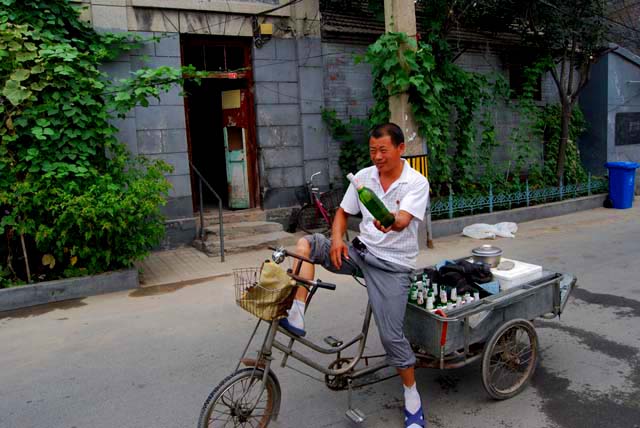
[71,198]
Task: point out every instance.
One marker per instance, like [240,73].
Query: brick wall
[291,135]
[159,130]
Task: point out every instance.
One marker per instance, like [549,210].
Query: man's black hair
[388,129]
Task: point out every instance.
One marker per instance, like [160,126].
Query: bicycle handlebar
[318,283]
[291,254]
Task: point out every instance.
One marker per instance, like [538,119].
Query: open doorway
[221,121]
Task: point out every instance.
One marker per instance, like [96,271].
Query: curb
[67,289]
[454,226]
[186,282]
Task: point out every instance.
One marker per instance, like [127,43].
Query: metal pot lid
[487,250]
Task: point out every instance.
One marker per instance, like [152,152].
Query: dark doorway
[227,63]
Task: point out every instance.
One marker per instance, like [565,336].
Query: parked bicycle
[318,209]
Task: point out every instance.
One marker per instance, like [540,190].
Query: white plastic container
[522,272]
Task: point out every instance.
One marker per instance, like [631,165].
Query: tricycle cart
[497,329]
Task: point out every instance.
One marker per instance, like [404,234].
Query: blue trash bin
[622,183]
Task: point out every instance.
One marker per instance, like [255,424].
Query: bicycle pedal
[334,342]
[355,415]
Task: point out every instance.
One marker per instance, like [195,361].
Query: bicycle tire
[237,408]
[310,220]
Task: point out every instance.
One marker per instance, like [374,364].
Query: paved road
[149,358]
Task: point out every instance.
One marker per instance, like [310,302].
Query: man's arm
[413,205]
[338,247]
[403,219]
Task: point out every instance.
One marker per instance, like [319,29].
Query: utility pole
[400,16]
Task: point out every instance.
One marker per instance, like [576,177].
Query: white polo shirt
[410,193]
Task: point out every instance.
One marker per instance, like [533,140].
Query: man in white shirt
[385,256]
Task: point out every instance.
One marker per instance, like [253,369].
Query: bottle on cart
[459,301]
[467,298]
[430,304]
[413,292]
[476,295]
[443,296]
[454,294]
[420,298]
[425,280]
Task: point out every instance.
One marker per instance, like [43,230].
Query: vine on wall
[455,112]
[72,200]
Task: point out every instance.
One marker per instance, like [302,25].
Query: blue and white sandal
[284,323]
[414,420]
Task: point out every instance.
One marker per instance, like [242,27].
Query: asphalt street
[149,358]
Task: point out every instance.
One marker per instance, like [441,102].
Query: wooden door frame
[246,75]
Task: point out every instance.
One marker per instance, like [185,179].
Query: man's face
[384,155]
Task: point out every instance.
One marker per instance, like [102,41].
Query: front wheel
[510,358]
[240,400]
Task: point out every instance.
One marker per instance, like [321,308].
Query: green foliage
[572,34]
[354,154]
[66,184]
[455,112]
[548,124]
[446,102]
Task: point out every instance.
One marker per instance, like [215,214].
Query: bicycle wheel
[510,358]
[237,401]
[311,220]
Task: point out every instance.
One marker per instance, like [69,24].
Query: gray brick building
[276,85]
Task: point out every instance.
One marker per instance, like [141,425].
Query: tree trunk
[567,110]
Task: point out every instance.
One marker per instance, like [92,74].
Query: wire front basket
[265,303]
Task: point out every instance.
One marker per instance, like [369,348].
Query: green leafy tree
[72,200]
[569,36]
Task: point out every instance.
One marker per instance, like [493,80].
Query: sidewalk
[187,265]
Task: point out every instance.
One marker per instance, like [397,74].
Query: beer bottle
[375,206]
[413,292]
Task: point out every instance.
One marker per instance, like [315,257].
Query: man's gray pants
[388,288]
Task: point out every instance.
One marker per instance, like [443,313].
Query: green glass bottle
[375,206]
[413,292]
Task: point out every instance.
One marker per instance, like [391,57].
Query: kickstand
[354,415]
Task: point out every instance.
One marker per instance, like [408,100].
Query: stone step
[228,217]
[240,230]
[211,246]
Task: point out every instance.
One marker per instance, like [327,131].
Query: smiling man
[385,256]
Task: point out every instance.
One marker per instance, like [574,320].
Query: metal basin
[487,254]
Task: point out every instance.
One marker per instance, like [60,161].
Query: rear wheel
[311,221]
[510,358]
[241,401]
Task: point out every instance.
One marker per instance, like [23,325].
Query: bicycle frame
[314,195]
[270,342]
[320,207]
[265,354]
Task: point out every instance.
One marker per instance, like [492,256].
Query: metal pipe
[221,228]
[220,222]
[201,209]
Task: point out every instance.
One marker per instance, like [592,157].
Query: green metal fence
[453,205]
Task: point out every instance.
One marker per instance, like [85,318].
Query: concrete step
[211,246]
[211,216]
[241,230]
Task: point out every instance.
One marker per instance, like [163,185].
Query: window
[517,80]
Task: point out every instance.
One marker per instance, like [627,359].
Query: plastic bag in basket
[273,294]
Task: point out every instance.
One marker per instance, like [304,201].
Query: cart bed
[475,322]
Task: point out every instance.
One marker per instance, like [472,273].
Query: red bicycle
[318,209]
